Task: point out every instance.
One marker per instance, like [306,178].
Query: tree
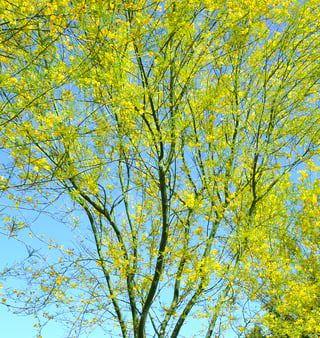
[167,131]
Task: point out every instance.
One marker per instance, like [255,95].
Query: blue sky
[11,252]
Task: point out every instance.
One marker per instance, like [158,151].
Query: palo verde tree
[168,135]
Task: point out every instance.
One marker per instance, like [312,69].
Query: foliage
[255,333]
[169,134]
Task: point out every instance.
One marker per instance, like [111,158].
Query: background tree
[170,129]
[285,278]
[255,333]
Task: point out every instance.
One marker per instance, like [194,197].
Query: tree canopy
[179,142]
